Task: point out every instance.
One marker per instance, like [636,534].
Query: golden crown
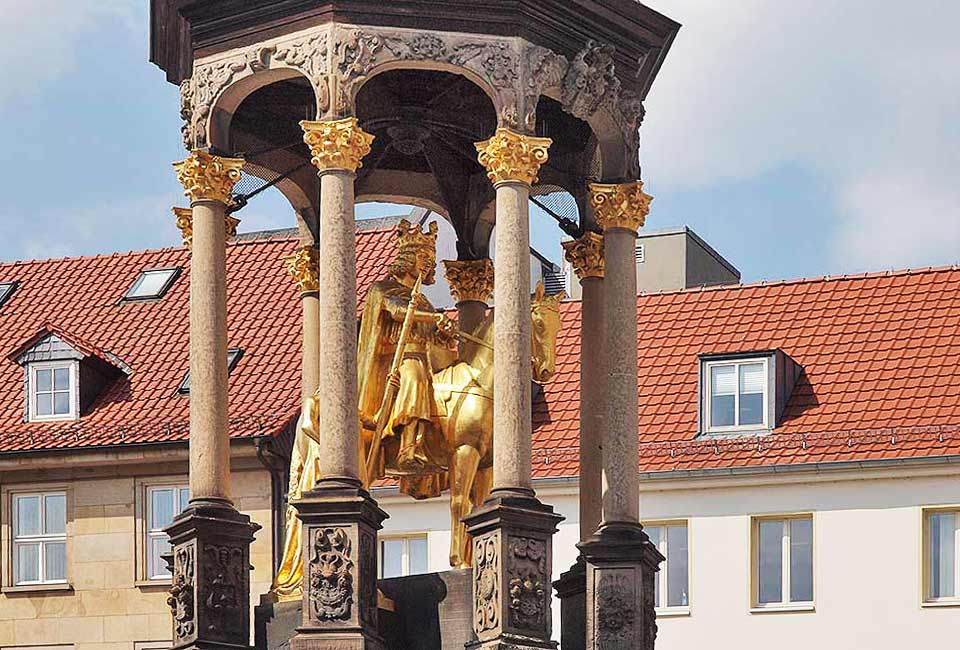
[411,238]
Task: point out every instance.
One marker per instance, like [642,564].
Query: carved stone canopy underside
[427,95]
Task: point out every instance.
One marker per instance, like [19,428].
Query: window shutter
[751,378]
[723,380]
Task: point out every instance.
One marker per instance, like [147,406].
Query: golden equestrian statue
[426,416]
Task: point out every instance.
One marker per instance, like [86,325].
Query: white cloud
[864,92]
[40,38]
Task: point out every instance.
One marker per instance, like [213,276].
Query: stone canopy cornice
[184,30]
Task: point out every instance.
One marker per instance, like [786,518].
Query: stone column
[512,531]
[303,267]
[340,519]
[586,257]
[211,540]
[621,561]
[471,284]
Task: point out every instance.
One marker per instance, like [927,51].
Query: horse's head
[545,312]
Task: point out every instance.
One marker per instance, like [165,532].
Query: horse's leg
[482,484]
[463,469]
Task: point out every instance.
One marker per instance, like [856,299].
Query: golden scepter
[393,381]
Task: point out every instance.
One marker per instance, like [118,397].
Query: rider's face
[428,266]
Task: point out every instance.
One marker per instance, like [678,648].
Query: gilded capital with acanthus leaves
[470,280]
[510,156]
[336,144]
[185,225]
[304,268]
[620,205]
[208,177]
[586,255]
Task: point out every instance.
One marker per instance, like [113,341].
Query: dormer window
[151,285]
[745,393]
[53,391]
[6,291]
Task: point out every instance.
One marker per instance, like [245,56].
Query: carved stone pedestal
[572,592]
[512,561]
[210,590]
[340,524]
[621,568]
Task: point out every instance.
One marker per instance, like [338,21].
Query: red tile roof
[879,353]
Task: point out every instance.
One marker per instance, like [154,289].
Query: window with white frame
[941,555]
[672,583]
[39,538]
[53,394]
[402,556]
[736,394]
[163,504]
[783,561]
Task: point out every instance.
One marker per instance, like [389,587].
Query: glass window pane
[677,566]
[28,516]
[45,404]
[55,561]
[161,508]
[723,385]
[28,563]
[752,386]
[54,514]
[801,560]
[44,379]
[158,546]
[770,562]
[392,558]
[418,555]
[184,499]
[61,403]
[655,535]
[943,554]
[150,283]
[61,379]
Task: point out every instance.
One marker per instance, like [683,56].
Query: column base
[512,565]
[621,566]
[210,584]
[340,524]
[571,589]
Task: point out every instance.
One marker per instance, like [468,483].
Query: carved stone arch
[615,161]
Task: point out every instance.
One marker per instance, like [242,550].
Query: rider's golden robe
[383,314]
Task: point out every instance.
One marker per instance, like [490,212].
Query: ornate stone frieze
[330,575]
[529,587]
[336,144]
[304,268]
[486,582]
[185,225]
[590,80]
[368,589]
[543,70]
[181,592]
[223,590]
[622,205]
[586,255]
[615,611]
[470,280]
[510,156]
[208,177]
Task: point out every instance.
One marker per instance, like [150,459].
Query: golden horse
[464,397]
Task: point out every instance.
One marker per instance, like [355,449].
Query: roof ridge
[869,275]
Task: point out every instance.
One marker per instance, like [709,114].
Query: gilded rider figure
[413,445]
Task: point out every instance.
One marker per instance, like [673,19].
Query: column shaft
[621,487]
[209,436]
[339,456]
[511,322]
[591,403]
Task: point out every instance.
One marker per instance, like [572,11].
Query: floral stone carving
[331,575]
[486,572]
[615,613]
[180,600]
[528,583]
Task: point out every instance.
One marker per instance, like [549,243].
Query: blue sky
[799,139]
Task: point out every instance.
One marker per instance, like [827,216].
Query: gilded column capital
[336,144]
[304,268]
[208,177]
[586,255]
[510,156]
[185,224]
[620,205]
[470,280]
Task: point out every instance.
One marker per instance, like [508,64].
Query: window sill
[955,602]
[159,583]
[783,609]
[39,588]
[672,612]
